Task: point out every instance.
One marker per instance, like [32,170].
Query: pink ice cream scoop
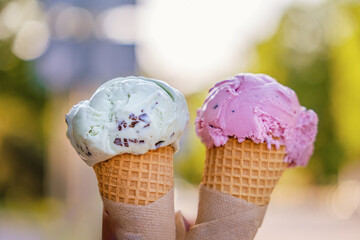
[257,107]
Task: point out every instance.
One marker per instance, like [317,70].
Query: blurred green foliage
[189,163]
[22,145]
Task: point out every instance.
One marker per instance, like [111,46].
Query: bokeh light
[345,199]
[72,22]
[118,24]
[31,41]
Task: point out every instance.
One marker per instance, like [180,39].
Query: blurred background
[54,53]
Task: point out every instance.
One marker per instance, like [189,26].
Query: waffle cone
[136,179]
[245,170]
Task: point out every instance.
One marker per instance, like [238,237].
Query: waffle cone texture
[245,170]
[136,179]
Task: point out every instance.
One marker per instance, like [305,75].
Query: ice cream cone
[136,179]
[245,170]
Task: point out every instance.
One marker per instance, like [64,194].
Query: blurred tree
[23,169]
[22,101]
[189,163]
[345,75]
[310,54]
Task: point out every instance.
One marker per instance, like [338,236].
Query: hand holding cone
[132,155]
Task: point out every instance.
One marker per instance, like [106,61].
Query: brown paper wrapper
[222,217]
[236,186]
[155,221]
